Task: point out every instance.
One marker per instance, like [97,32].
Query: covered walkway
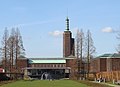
[47,72]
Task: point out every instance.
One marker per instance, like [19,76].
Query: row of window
[48,65]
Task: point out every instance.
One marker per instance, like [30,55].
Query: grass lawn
[95,84]
[45,83]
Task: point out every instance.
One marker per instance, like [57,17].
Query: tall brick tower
[68,41]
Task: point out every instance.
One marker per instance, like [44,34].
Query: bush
[3,77]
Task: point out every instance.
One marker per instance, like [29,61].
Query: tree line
[12,48]
[84,52]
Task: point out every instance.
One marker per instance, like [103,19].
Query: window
[53,65]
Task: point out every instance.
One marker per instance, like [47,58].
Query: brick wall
[98,65]
[66,43]
[94,65]
[22,63]
[72,63]
[103,66]
[115,64]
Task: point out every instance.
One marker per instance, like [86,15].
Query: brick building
[106,66]
[55,68]
[68,42]
[106,63]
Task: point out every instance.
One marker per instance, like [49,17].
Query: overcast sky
[42,22]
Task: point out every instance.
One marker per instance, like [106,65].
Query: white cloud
[56,33]
[108,30]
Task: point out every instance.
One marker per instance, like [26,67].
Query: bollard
[95,79]
[104,80]
[113,81]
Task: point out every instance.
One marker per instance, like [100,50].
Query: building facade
[107,66]
[68,42]
[52,68]
[106,63]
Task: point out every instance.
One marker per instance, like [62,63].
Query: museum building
[52,68]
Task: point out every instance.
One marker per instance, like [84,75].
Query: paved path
[108,84]
[111,85]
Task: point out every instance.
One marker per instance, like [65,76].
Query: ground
[54,83]
[45,83]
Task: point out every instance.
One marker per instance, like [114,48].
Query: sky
[42,22]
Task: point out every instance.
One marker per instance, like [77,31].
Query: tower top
[67,24]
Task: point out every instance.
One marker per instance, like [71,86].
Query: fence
[109,76]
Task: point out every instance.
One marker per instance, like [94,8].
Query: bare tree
[19,48]
[12,48]
[90,49]
[118,47]
[4,49]
[11,45]
[79,51]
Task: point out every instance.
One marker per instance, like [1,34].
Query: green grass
[45,83]
[94,84]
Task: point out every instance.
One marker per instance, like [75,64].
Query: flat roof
[46,60]
[114,55]
[47,68]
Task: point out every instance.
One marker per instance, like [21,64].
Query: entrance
[48,73]
[46,76]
